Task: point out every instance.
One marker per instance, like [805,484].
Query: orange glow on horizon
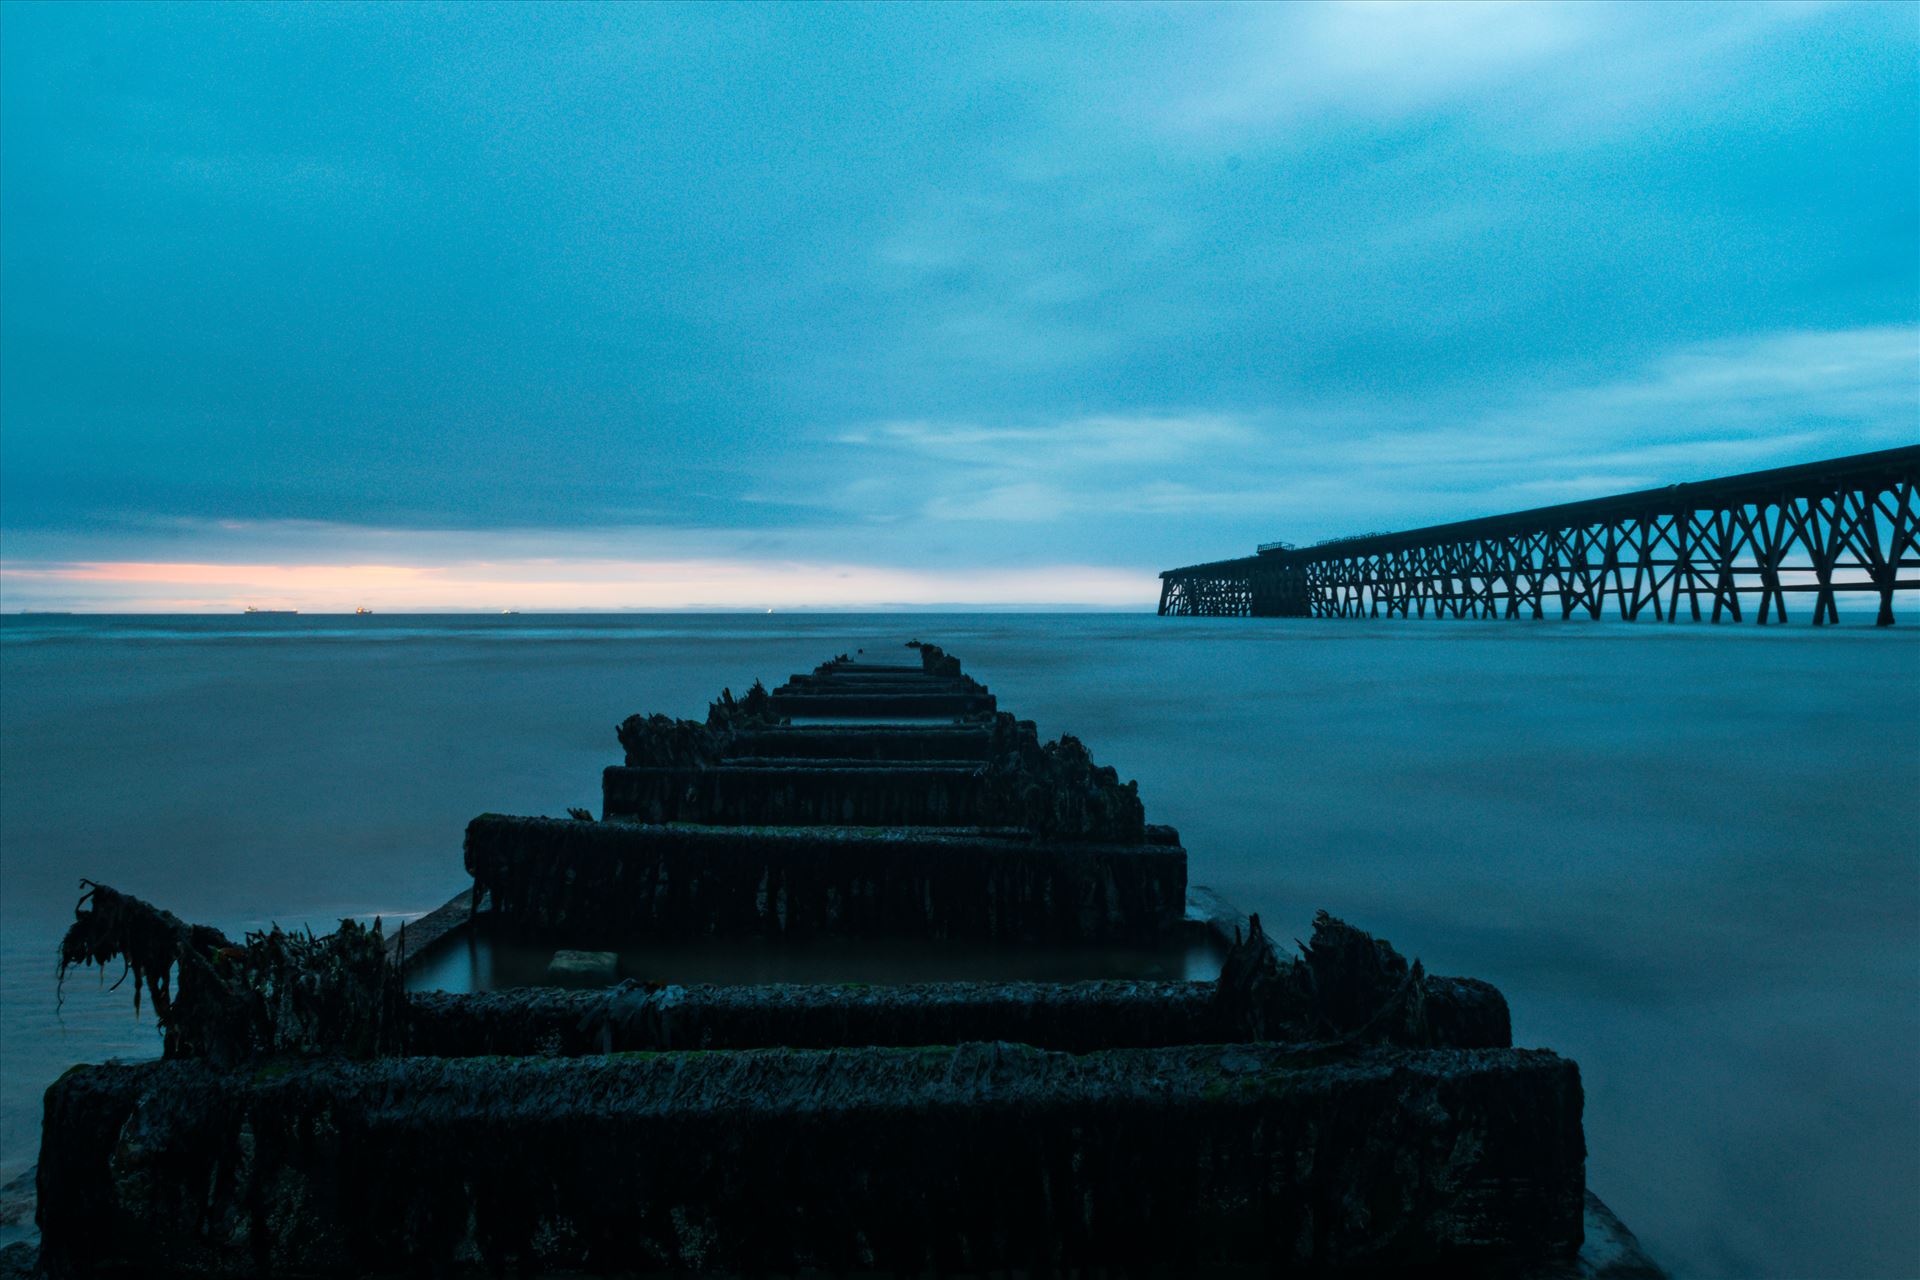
[551,583]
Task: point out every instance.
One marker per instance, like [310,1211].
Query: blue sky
[555,306]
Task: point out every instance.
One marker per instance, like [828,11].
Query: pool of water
[478,963]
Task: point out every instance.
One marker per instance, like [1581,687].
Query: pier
[1719,550]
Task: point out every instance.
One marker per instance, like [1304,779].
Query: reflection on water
[1687,854]
[487,964]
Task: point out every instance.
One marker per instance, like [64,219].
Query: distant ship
[363,609]
[267,613]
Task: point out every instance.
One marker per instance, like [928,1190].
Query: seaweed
[663,742]
[1349,987]
[151,944]
[1056,790]
[659,741]
[274,993]
[754,710]
[936,661]
[1358,980]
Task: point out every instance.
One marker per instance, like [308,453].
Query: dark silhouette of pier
[1823,528]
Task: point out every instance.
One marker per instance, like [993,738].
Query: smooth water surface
[481,963]
[1689,855]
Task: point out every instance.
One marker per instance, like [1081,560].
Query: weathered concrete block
[1077,1017]
[878,682]
[865,742]
[583,968]
[881,706]
[970,1158]
[751,795]
[601,882]
[904,768]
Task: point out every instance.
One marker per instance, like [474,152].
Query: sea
[1688,854]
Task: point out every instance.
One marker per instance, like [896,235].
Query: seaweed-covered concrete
[1056,789]
[845,689]
[270,1008]
[877,742]
[1077,1017]
[934,660]
[917,795]
[663,742]
[880,704]
[965,1158]
[1263,997]
[744,767]
[275,993]
[1349,983]
[594,881]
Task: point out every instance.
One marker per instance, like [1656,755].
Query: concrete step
[968,1158]
[812,793]
[888,706]
[1076,1017]
[593,884]
[867,742]
[847,763]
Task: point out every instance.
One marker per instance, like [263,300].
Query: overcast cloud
[643,305]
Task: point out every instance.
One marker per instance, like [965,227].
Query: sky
[645,306]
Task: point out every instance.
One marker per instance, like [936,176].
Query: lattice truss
[1856,541]
[1208,596]
[1732,559]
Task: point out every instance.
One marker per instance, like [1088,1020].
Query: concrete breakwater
[1334,1112]
[983,1155]
[555,879]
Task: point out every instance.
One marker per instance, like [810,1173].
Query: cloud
[1722,403]
[1101,440]
[1033,503]
[1530,73]
[1380,59]
[972,472]
[1693,412]
[948,291]
[1081,510]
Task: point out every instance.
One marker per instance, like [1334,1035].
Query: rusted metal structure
[1729,548]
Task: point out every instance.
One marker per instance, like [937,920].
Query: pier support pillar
[1280,592]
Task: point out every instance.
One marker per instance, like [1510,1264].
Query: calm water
[1690,856]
